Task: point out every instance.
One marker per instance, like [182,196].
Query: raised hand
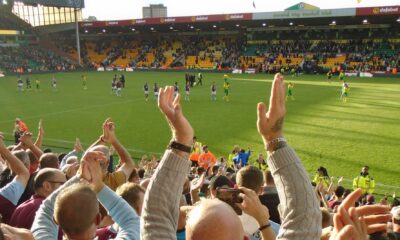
[26,139]
[2,145]
[270,123]
[90,169]
[78,145]
[196,184]
[40,128]
[109,131]
[356,223]
[181,129]
[252,206]
[340,181]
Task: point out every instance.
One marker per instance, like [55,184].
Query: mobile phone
[231,197]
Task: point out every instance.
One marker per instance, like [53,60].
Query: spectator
[10,194]
[206,158]
[47,180]
[270,197]
[252,178]
[300,211]
[133,194]
[395,235]
[75,208]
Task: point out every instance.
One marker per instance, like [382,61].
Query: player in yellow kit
[227,86]
[290,91]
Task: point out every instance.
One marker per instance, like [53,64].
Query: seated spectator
[47,180]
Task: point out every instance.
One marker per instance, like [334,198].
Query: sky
[132,9]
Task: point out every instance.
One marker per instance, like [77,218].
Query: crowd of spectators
[229,52]
[32,58]
[47,195]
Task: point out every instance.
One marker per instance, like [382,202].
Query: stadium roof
[300,13]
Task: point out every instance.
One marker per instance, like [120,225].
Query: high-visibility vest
[325,180]
[367,184]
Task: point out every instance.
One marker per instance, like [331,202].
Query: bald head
[47,180]
[213,219]
[104,149]
[48,160]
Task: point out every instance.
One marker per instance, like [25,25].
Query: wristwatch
[180,147]
[276,144]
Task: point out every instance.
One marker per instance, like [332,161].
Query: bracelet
[180,147]
[276,144]
[264,226]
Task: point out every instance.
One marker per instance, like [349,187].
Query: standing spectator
[270,197]
[252,178]
[10,194]
[365,182]
[395,235]
[47,180]
[75,209]
[244,156]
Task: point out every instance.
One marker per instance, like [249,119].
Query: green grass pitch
[324,131]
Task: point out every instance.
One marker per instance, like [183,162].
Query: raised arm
[124,156]
[161,203]
[77,151]
[16,165]
[39,139]
[301,216]
[120,211]
[43,226]
[26,140]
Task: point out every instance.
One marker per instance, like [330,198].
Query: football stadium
[266,122]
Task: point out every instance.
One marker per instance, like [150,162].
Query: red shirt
[105,233]
[24,215]
[6,209]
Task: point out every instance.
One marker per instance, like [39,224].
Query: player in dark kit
[176,89]
[146,91]
[155,91]
[28,84]
[199,79]
[114,85]
[122,78]
[187,90]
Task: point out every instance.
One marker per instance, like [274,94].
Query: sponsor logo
[169,20]
[385,10]
[112,23]
[141,21]
[199,18]
[87,24]
[235,16]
